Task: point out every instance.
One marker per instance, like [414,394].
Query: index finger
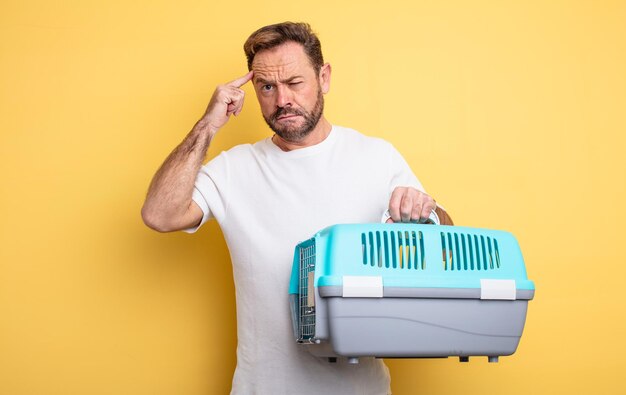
[241,80]
[394,204]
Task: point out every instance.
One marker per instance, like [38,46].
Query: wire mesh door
[306,300]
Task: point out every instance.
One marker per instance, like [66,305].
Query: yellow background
[512,114]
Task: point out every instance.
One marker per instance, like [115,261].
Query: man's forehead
[286,59]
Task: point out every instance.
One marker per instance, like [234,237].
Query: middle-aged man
[270,195]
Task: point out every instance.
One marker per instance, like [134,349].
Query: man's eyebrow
[290,79]
[261,80]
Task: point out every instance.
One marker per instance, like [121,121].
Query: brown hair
[274,35]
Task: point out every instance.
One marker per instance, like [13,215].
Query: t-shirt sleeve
[210,190]
[401,174]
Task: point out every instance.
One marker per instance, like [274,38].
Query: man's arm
[168,206]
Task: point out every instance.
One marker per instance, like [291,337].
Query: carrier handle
[433,218]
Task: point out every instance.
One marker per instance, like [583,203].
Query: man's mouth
[284,114]
[287,116]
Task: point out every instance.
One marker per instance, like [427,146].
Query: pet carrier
[409,291]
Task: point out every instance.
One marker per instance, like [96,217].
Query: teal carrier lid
[398,260]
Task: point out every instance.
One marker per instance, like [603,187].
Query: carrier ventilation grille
[469,252]
[306,297]
[396,250]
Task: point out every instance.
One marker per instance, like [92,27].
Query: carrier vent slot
[497,253]
[393,250]
[306,298]
[464,252]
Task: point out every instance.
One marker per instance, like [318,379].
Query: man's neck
[317,135]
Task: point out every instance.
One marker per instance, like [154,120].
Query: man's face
[289,90]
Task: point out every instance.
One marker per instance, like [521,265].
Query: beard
[293,133]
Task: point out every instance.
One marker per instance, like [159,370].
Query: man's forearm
[169,195]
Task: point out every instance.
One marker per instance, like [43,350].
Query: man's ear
[324,77]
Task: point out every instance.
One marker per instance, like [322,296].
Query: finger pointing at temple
[227,100]
[241,81]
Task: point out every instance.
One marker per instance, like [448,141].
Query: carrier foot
[353,361]
[463,359]
[492,359]
[332,359]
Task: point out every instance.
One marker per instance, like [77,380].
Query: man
[270,195]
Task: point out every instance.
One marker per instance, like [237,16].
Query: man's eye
[266,87]
[295,83]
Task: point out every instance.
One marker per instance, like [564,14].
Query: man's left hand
[408,204]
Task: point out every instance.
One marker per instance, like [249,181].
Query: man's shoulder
[244,150]
[353,137]
[238,154]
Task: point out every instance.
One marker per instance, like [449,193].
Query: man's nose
[283,96]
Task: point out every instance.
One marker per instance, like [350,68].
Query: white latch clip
[362,287]
[497,289]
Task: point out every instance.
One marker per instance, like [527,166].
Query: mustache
[286,111]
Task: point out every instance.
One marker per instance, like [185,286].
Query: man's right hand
[227,100]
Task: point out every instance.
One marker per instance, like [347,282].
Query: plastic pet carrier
[409,291]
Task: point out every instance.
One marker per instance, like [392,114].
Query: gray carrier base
[416,323]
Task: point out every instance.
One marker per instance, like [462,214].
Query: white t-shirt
[266,201]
